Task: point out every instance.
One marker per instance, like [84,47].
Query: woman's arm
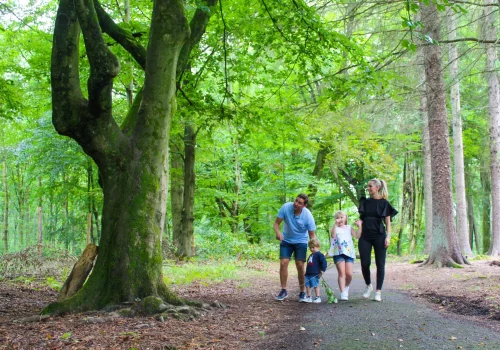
[387,220]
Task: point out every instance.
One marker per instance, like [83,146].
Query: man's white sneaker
[368,291]
[378,296]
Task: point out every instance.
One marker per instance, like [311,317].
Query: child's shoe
[317,300]
[308,299]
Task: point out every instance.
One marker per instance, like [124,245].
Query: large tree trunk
[461,206]
[494,109]
[444,250]
[131,164]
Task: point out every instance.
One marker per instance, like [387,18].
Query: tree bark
[484,174]
[444,250]
[129,264]
[494,111]
[176,187]
[186,240]
[461,205]
[5,209]
[79,273]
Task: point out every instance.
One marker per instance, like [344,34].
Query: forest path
[398,322]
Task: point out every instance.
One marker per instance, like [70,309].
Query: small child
[343,251]
[316,265]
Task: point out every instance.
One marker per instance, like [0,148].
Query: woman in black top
[376,213]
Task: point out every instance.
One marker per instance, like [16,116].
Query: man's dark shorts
[299,251]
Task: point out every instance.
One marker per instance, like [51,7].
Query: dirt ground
[246,320]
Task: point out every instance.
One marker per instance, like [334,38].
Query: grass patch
[207,272]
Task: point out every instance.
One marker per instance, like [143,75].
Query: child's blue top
[296,228]
[316,263]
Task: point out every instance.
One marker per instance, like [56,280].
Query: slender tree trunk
[419,208]
[5,209]
[404,207]
[473,232]
[186,241]
[494,109]
[40,220]
[445,250]
[486,204]
[176,187]
[461,206]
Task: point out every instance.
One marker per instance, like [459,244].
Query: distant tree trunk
[176,186]
[40,218]
[404,206]
[461,206]
[317,172]
[419,207]
[186,241]
[5,209]
[445,250]
[486,205]
[412,235]
[473,232]
[494,109]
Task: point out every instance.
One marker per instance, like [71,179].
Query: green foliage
[53,283]
[215,244]
[202,273]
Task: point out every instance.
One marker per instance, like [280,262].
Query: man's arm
[276,226]
[312,234]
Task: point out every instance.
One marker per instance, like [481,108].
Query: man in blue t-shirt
[298,228]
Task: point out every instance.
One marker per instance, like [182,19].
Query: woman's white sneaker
[378,296]
[368,291]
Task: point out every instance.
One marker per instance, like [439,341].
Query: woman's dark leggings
[365,252]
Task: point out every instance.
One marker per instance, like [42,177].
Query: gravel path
[398,322]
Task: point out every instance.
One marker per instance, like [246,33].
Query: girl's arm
[358,223]
[333,234]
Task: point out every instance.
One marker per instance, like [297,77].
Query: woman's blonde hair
[313,242]
[382,188]
[339,213]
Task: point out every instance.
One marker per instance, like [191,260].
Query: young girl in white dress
[342,249]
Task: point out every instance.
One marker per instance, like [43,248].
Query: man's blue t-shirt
[296,228]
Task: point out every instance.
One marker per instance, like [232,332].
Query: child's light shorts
[312,281]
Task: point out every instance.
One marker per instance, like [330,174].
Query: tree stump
[79,274]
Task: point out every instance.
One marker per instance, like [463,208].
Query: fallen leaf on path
[453,338]
[302,329]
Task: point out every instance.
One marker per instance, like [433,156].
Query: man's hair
[304,197]
[313,242]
